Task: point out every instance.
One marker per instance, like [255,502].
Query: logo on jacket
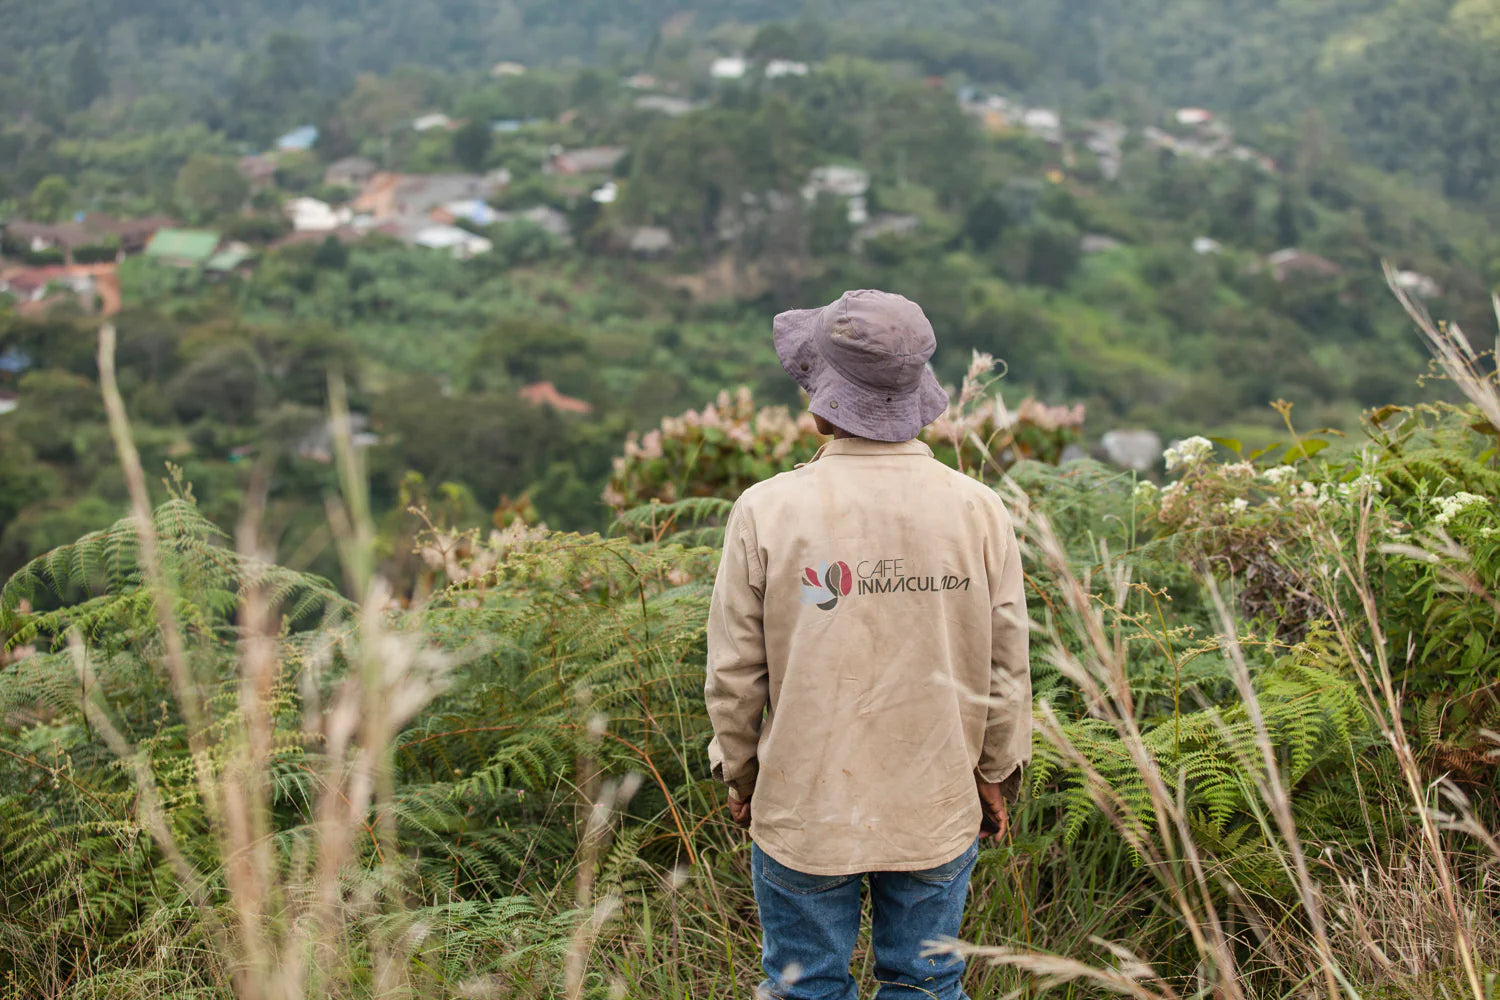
[826,584]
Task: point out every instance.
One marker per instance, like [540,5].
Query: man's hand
[739,811]
[996,814]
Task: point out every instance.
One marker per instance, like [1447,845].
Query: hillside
[1408,84]
[617,243]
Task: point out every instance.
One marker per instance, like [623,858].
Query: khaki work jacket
[867,657]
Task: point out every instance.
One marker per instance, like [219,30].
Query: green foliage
[210,186]
[471,144]
[50,199]
[731,445]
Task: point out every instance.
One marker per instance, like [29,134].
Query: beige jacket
[867,656]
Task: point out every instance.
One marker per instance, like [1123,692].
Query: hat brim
[859,410]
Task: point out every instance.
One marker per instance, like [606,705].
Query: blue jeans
[809,923]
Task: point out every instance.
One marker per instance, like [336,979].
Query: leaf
[1307,449]
[1233,444]
[1261,453]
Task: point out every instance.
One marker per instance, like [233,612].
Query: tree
[1288,232]
[776,41]
[471,144]
[50,199]
[210,186]
[86,80]
[985,222]
[226,385]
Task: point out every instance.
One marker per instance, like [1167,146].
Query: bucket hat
[863,360]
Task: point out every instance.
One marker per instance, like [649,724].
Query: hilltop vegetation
[1408,84]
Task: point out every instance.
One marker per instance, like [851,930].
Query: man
[868,679]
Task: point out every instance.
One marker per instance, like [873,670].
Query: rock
[1072,453]
[1133,449]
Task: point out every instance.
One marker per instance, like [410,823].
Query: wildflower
[1239,505]
[1361,484]
[650,446]
[979,366]
[1278,474]
[1187,454]
[1238,470]
[1451,507]
[1145,491]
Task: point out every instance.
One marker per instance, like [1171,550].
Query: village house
[546,394]
[258,169]
[594,160]
[1106,140]
[390,195]
[92,230]
[1044,124]
[310,215]
[650,241]
[183,247]
[461,243]
[350,172]
[1293,262]
[474,211]
[507,69]
[841,181]
[729,68]
[1093,243]
[298,140]
[778,68]
[889,224]
[1420,285]
[671,106]
[34,287]
[432,120]
[549,220]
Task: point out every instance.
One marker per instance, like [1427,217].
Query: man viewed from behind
[868,679]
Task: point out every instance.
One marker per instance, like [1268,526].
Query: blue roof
[506,125]
[299,138]
[15,361]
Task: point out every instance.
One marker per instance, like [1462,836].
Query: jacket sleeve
[1007,734]
[738,686]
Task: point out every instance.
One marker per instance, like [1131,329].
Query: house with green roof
[183,247]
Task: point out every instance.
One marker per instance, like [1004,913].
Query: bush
[50,257]
[97,253]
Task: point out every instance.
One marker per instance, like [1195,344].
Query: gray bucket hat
[863,360]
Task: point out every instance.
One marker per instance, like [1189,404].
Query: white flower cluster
[1188,453]
[1451,507]
[1145,491]
[1360,485]
[1278,474]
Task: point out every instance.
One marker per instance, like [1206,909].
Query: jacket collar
[864,446]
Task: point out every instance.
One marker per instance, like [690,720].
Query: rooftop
[195,245]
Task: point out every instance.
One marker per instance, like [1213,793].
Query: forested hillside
[1409,84]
